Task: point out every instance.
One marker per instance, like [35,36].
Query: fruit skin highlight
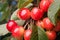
[47,23]
[11,25]
[24,13]
[36,13]
[18,32]
[27,34]
[44,5]
[51,35]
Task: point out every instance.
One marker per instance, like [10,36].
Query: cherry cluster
[36,14]
[49,28]
[14,28]
[18,31]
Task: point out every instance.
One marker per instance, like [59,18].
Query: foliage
[53,11]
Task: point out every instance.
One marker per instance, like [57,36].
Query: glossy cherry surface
[24,13]
[51,35]
[36,13]
[44,5]
[18,32]
[27,34]
[11,25]
[48,24]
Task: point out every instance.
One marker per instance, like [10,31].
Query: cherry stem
[27,23]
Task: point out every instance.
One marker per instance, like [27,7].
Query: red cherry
[27,34]
[51,35]
[47,23]
[36,13]
[44,5]
[24,13]
[18,32]
[11,25]
[57,28]
[40,23]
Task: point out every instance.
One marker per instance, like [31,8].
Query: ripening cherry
[11,25]
[18,32]
[27,34]
[24,13]
[48,24]
[51,35]
[40,23]
[44,5]
[36,13]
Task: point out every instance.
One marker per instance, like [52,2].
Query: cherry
[40,23]
[47,23]
[36,13]
[44,5]
[24,13]
[51,35]
[11,25]
[27,34]
[18,32]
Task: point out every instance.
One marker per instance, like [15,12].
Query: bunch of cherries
[35,14]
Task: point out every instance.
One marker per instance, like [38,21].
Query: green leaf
[14,15]
[23,3]
[38,33]
[3,29]
[20,22]
[53,11]
[13,38]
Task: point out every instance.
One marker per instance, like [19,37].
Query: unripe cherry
[40,23]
